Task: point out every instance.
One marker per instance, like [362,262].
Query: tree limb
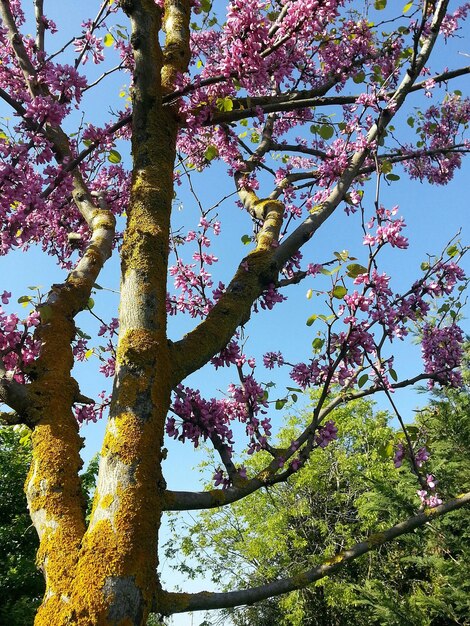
[13,394]
[193,500]
[307,99]
[180,603]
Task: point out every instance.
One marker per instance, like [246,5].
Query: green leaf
[339,292]
[452,251]
[388,451]
[393,374]
[407,6]
[108,40]
[326,131]
[380,5]
[24,299]
[359,77]
[96,286]
[355,269]
[386,167]
[91,303]
[81,334]
[280,403]
[294,397]
[88,353]
[114,156]
[332,271]
[224,104]
[363,380]
[309,294]
[392,177]
[342,256]
[246,239]
[317,344]
[211,152]
[206,5]
[311,319]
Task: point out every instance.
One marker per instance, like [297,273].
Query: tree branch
[180,603]
[193,500]
[13,394]
[10,419]
[40,25]
[250,107]
[305,231]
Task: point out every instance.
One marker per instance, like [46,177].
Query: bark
[115,581]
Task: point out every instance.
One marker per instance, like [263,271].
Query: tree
[337,499]
[22,585]
[200,78]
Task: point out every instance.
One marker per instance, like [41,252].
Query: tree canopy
[298,115]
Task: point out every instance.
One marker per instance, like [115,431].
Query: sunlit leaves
[339,292]
[355,269]
[114,157]
[224,104]
[211,152]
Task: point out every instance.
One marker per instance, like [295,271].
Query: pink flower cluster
[442,353]
[92,412]
[326,434]
[18,348]
[193,280]
[428,496]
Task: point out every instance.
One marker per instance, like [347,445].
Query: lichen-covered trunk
[105,574]
[115,580]
[111,577]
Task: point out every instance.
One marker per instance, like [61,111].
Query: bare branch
[40,25]
[206,600]
[308,99]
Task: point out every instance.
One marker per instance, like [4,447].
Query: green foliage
[88,478]
[344,493]
[21,584]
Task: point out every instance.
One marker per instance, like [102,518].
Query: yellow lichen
[106,501]
[337,558]
[377,539]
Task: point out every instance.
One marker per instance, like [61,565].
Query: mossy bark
[114,579]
